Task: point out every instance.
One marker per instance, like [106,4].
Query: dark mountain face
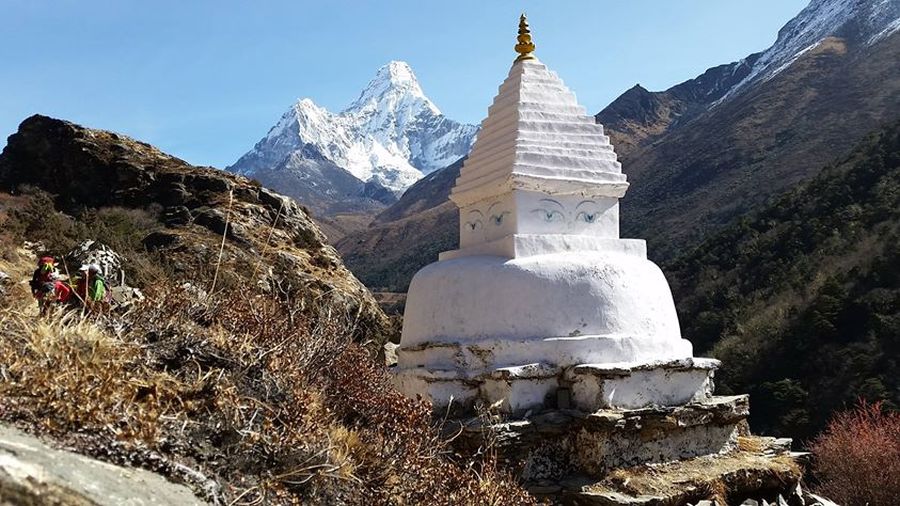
[638,116]
[431,191]
[759,143]
[407,235]
[801,299]
[322,186]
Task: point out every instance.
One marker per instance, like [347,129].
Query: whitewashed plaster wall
[541,213]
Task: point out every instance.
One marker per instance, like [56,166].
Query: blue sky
[206,79]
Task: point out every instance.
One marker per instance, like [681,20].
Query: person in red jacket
[53,292]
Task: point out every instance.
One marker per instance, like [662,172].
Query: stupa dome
[564,308]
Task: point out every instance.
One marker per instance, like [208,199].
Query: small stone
[390,353]
[750,502]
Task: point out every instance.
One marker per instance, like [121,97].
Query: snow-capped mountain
[388,137]
[862,21]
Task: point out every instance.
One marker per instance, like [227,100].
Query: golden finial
[525,47]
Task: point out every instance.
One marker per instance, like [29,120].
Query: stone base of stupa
[652,456]
[534,387]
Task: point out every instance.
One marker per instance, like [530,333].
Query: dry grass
[243,398]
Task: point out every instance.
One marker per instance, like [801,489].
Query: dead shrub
[857,458]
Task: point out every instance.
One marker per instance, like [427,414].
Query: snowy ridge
[391,134]
[867,21]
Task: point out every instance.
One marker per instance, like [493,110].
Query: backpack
[99,277]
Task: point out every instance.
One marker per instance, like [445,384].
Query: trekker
[45,274]
[91,287]
[53,292]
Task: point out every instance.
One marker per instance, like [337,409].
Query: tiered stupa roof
[537,137]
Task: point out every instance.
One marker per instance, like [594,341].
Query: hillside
[272,242]
[759,143]
[801,300]
[254,380]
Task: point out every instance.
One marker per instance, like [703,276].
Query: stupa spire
[525,47]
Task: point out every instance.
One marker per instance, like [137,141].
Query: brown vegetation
[857,458]
[241,398]
[248,397]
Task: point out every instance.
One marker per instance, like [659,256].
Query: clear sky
[206,79]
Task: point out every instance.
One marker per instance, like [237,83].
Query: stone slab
[554,440]
[32,472]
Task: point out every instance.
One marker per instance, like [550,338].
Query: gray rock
[5,281]
[818,500]
[390,353]
[93,252]
[33,473]
[176,215]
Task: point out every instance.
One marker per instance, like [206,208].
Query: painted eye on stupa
[549,215]
[497,219]
[474,225]
[586,217]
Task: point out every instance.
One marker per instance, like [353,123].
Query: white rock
[821,501]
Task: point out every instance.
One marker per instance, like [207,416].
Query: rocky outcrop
[699,453]
[33,473]
[271,242]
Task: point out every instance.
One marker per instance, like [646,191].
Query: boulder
[112,264]
[33,473]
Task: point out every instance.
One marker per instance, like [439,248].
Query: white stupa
[544,305]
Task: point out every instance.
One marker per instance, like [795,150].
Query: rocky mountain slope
[639,116]
[801,300]
[271,243]
[715,146]
[829,79]
[378,146]
[420,225]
